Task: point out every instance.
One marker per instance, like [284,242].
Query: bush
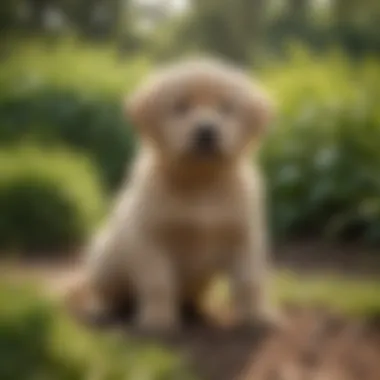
[48,199]
[37,341]
[71,95]
[94,126]
[323,157]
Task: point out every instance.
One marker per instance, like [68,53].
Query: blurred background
[65,147]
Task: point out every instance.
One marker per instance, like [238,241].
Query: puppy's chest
[205,222]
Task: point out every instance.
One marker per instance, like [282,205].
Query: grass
[35,333]
[349,296]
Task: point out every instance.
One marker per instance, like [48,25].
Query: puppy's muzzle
[205,139]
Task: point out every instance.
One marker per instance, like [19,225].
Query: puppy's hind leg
[249,276]
[102,295]
[94,305]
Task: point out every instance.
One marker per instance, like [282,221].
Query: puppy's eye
[181,107]
[227,107]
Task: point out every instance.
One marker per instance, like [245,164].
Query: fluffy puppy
[194,205]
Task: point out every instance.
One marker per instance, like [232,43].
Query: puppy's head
[202,110]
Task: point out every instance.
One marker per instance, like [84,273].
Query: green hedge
[94,126]
[72,95]
[48,199]
[323,157]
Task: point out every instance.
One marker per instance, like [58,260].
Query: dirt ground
[316,345]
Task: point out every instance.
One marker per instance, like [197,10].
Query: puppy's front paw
[263,321]
[162,325]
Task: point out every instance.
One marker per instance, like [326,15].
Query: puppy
[194,205]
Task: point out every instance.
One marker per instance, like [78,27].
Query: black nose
[205,137]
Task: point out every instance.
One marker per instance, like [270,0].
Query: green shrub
[72,95]
[38,341]
[94,126]
[72,66]
[323,156]
[48,199]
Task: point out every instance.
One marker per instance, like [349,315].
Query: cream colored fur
[182,219]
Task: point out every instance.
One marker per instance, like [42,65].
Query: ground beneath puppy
[316,345]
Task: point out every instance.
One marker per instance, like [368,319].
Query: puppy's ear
[134,106]
[140,107]
[262,111]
